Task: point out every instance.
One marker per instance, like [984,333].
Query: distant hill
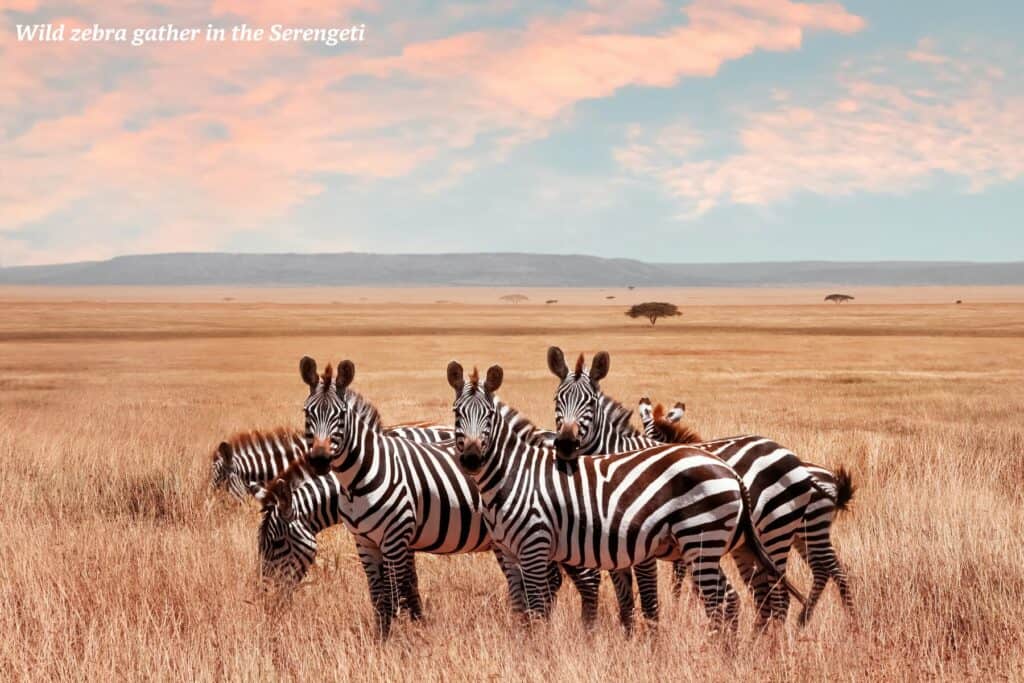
[496,270]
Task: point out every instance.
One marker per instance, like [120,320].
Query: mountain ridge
[496,269]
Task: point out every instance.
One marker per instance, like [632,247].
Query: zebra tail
[845,488]
[747,527]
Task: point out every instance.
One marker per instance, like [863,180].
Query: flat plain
[117,561]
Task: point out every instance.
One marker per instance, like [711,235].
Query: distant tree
[652,310]
[838,298]
[610,296]
[551,301]
[631,288]
[515,298]
[959,301]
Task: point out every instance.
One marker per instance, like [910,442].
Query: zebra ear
[456,377]
[494,377]
[677,412]
[346,373]
[599,366]
[224,449]
[556,362]
[644,406]
[307,368]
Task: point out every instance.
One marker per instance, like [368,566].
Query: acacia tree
[515,298]
[838,298]
[652,310]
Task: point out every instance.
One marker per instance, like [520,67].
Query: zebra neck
[359,453]
[509,454]
[612,430]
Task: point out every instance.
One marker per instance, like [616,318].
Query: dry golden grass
[116,562]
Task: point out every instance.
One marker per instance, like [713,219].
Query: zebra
[260,456]
[603,512]
[402,497]
[587,422]
[832,494]
[254,456]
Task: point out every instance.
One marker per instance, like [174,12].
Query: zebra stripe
[260,456]
[588,422]
[400,496]
[604,512]
[813,540]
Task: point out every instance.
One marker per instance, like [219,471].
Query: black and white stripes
[606,512]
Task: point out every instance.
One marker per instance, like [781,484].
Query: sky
[702,131]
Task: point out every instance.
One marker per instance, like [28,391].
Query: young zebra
[832,493]
[604,512]
[587,422]
[402,496]
[260,456]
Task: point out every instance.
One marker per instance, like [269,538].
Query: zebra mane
[619,416]
[245,439]
[524,428]
[672,432]
[363,409]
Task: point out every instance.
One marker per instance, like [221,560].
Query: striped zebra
[607,512]
[587,422]
[259,456]
[832,494]
[300,504]
[402,497]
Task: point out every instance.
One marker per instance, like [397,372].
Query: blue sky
[713,130]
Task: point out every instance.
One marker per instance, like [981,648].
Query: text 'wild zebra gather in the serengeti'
[594,493]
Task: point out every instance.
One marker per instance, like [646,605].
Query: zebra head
[325,410]
[665,426]
[287,547]
[576,400]
[475,412]
[223,474]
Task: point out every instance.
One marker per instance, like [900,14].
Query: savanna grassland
[117,562]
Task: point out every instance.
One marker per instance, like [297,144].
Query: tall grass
[116,562]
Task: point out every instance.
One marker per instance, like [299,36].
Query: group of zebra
[593,494]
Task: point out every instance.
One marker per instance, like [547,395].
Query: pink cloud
[235,135]
[873,137]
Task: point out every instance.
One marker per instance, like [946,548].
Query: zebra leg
[555,579]
[514,579]
[373,565]
[411,595]
[824,563]
[721,603]
[622,579]
[756,581]
[398,571]
[647,583]
[587,582]
[778,596]
[535,584]
[678,576]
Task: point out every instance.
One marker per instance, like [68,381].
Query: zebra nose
[321,448]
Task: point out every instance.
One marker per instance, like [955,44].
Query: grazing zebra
[604,512]
[588,422]
[256,456]
[260,456]
[402,497]
[832,493]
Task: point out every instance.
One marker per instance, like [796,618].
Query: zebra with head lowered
[260,456]
[587,422]
[833,492]
[400,497]
[604,512]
